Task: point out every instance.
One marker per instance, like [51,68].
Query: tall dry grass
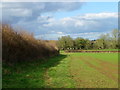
[22,46]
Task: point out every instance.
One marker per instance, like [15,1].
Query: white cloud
[55,36]
[59,32]
[50,28]
[43,6]
[32,10]
[31,16]
[19,12]
[100,15]
[90,22]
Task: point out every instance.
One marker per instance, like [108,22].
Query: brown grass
[22,46]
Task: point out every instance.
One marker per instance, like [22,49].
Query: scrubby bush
[22,46]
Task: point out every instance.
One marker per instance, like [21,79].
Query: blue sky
[52,20]
[90,7]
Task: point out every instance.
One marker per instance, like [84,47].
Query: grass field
[104,50]
[68,70]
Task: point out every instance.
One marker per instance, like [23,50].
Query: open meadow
[73,44]
[67,70]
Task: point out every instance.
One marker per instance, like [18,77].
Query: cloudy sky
[50,20]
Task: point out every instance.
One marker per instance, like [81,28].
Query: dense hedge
[22,46]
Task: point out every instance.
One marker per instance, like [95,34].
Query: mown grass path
[68,70]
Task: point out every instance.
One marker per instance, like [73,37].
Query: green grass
[68,70]
[59,76]
[110,57]
[87,77]
[99,74]
[103,50]
[28,75]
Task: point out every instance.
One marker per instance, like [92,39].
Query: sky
[51,20]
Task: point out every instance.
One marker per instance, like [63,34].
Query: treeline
[105,41]
[22,46]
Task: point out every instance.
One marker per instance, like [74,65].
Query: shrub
[22,46]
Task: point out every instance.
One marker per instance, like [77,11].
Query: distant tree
[118,39]
[99,44]
[88,44]
[105,41]
[115,33]
[80,43]
[115,37]
[108,41]
[65,42]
